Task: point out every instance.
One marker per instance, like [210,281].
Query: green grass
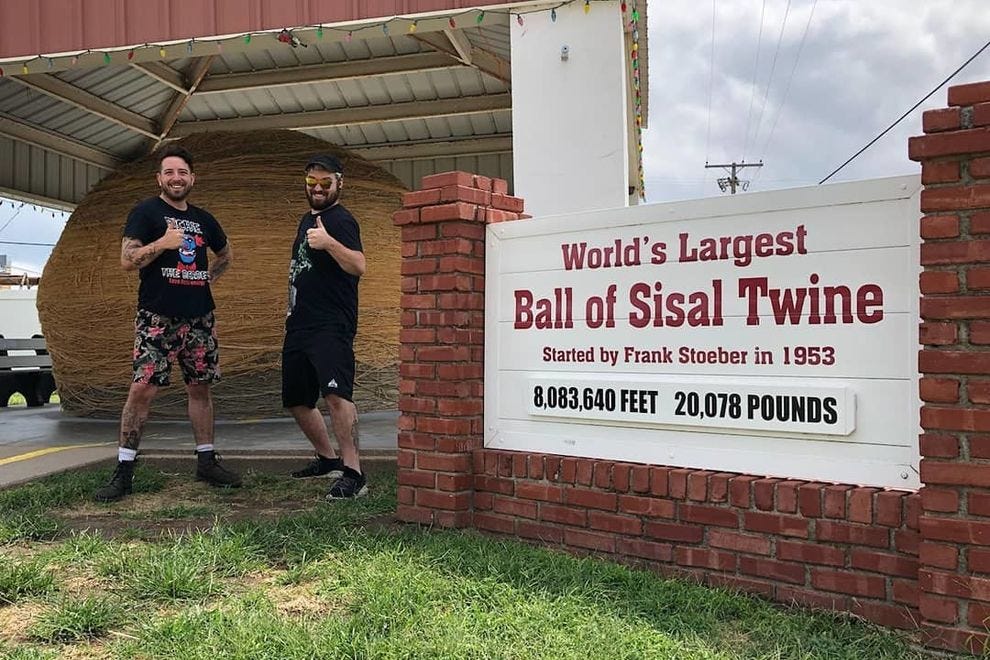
[177,512]
[20,579]
[187,568]
[25,652]
[72,620]
[78,548]
[26,512]
[317,579]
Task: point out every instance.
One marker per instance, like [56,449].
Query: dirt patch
[16,619]
[84,651]
[185,506]
[384,523]
[301,601]
[19,552]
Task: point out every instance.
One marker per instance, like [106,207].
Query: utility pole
[732,181]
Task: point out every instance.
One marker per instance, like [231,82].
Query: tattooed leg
[344,421]
[135,414]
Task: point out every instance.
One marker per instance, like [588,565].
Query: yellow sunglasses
[326,183]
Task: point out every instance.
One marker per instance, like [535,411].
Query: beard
[328,200]
[173,195]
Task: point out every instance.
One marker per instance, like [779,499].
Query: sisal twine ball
[253,184]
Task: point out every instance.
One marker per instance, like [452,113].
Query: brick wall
[900,559]
[839,547]
[442,353]
[832,546]
[954,575]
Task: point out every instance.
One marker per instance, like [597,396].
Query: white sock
[202,448]
[126,454]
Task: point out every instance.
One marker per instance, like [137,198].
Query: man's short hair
[174,150]
[326,162]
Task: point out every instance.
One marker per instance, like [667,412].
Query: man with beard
[318,352]
[166,238]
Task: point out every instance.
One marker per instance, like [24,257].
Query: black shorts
[316,363]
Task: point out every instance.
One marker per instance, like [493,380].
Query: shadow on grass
[405,591]
[27,512]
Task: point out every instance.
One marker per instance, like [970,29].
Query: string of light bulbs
[19,206]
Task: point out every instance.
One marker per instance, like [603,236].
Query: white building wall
[569,122]
[19,313]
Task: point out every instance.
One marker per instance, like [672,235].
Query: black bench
[31,375]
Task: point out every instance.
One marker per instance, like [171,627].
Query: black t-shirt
[321,293]
[177,283]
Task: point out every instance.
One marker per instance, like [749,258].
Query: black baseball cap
[327,162]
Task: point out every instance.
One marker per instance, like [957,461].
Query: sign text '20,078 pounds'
[722,403]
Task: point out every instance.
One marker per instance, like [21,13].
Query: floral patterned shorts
[160,340]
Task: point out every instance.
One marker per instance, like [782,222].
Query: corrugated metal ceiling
[81,115]
[396,98]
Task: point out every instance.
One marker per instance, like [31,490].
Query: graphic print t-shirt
[177,283]
[321,293]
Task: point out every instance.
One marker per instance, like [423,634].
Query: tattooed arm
[221,262]
[134,254]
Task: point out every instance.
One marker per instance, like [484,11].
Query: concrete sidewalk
[35,442]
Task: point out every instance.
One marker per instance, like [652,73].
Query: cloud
[27,234]
[861,66]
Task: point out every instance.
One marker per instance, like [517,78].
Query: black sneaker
[208,469]
[332,468]
[120,483]
[352,484]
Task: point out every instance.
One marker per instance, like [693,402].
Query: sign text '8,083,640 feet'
[714,402]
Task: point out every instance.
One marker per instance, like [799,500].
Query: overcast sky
[27,223]
[802,95]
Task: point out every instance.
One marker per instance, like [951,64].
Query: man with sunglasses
[318,352]
[167,240]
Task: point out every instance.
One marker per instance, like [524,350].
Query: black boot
[119,485]
[208,469]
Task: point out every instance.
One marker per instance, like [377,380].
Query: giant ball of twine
[253,184]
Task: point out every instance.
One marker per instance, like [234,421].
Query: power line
[756,68]
[787,89]
[773,67]
[901,118]
[16,213]
[26,243]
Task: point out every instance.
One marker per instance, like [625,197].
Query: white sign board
[771,333]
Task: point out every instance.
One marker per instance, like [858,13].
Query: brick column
[441,369]
[954,575]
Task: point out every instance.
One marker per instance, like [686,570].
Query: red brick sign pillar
[954,575]
[441,369]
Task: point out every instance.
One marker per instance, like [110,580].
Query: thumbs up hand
[317,237]
[173,238]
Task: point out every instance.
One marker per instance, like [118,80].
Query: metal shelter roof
[416,94]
